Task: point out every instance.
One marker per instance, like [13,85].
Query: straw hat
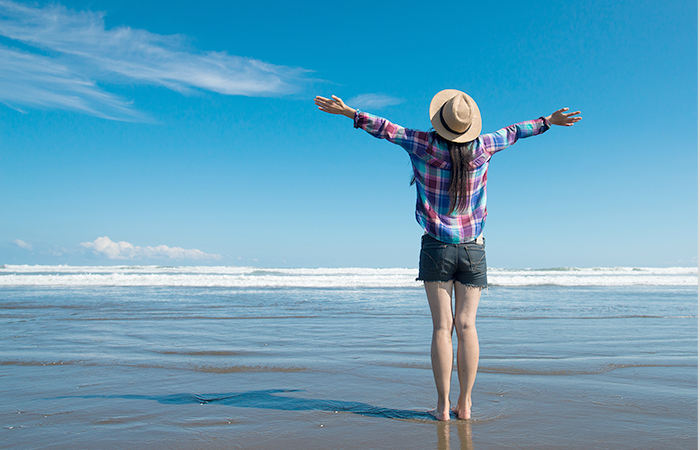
[455,116]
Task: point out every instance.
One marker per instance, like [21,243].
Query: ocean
[242,357]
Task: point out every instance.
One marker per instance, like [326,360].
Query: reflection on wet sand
[464,432]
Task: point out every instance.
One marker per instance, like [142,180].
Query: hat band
[447,127]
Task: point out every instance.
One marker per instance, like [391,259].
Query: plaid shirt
[432,167]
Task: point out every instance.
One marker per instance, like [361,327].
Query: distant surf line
[328,278]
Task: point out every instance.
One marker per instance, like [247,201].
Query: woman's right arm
[562,118]
[505,137]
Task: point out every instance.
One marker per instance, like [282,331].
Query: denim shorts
[440,261]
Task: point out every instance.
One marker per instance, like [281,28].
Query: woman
[450,166]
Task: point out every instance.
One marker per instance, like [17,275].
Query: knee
[442,332]
[463,327]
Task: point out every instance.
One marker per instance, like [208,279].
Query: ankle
[465,403]
[443,405]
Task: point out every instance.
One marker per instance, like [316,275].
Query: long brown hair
[461,155]
[460,187]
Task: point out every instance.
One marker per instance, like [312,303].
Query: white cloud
[21,244]
[36,80]
[373,101]
[82,52]
[104,246]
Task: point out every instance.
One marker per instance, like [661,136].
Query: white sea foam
[252,277]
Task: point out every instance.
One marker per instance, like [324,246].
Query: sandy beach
[562,367]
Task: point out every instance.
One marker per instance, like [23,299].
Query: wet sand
[163,408]
[195,369]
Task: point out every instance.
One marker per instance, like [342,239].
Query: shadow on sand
[270,399]
[266,400]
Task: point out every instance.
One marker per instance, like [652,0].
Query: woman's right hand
[334,106]
[562,118]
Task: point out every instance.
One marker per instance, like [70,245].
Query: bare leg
[440,301]
[466,303]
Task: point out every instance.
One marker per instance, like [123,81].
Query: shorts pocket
[477,258]
[432,257]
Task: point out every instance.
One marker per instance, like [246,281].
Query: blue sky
[185,132]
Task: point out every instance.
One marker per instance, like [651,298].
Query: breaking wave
[253,277]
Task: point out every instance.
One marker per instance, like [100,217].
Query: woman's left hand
[334,106]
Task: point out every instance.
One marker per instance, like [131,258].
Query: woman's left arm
[334,105]
[413,141]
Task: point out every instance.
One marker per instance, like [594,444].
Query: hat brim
[440,99]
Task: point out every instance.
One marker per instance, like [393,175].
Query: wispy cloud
[21,244]
[35,80]
[40,248]
[104,246]
[373,101]
[82,52]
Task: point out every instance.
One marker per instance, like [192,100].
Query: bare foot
[463,414]
[439,416]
